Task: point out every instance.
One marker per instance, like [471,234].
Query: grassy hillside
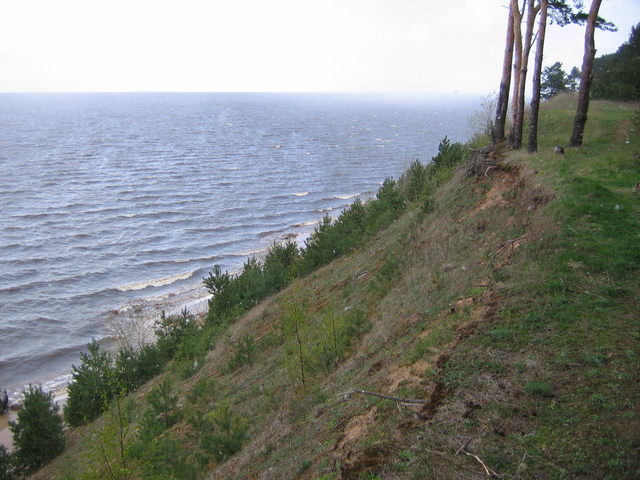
[499,331]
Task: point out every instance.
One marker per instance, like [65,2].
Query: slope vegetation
[495,333]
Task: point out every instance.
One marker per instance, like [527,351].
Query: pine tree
[38,435]
[92,387]
[6,467]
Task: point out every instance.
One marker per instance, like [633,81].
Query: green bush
[221,303]
[171,332]
[38,435]
[164,405]
[202,391]
[415,182]
[92,386]
[6,464]
[320,248]
[449,154]
[244,354]
[230,433]
[280,265]
[132,369]
[167,458]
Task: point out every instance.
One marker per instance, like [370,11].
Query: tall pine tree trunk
[517,65]
[515,135]
[586,76]
[505,85]
[537,73]
[532,13]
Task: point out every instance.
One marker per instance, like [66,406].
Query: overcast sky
[272,45]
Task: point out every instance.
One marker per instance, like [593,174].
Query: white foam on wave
[160,282]
[249,253]
[301,194]
[307,224]
[347,197]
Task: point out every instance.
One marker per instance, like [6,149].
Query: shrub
[164,405]
[171,331]
[230,435]
[6,467]
[415,182]
[133,369]
[320,247]
[202,391]
[449,154]
[221,303]
[38,435]
[167,458]
[280,265]
[244,355]
[92,386]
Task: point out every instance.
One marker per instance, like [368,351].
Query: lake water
[115,206]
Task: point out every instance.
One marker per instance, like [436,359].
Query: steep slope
[495,333]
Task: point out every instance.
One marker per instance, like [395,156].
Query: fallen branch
[403,401]
[510,242]
[487,470]
[463,448]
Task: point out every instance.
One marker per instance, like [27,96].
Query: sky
[273,45]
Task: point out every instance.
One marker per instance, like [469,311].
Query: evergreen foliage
[244,354]
[38,435]
[617,76]
[555,81]
[108,454]
[164,405]
[92,386]
[132,369]
[167,458]
[6,467]
[171,331]
[229,433]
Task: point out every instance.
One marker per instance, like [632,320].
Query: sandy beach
[5,434]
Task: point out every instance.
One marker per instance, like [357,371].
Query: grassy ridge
[508,305]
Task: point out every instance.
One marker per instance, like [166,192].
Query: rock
[15,407]
[558,150]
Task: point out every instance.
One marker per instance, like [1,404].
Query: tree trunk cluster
[517,51]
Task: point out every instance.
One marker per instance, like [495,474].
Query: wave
[306,224]
[250,253]
[302,194]
[160,282]
[346,197]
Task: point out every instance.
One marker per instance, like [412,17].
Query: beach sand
[5,433]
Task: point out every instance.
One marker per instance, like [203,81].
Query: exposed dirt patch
[354,431]
[502,181]
[407,374]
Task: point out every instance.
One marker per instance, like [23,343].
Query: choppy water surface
[115,205]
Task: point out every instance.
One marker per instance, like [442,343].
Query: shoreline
[57,383]
[133,320]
